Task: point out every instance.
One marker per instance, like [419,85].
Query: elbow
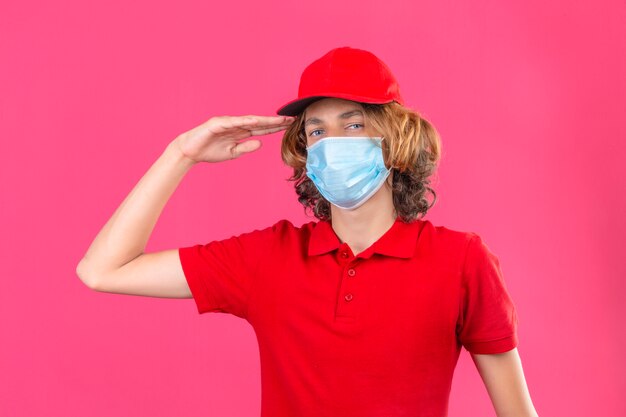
[85,275]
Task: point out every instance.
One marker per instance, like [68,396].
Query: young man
[362,313]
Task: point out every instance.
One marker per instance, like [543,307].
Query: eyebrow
[316,121]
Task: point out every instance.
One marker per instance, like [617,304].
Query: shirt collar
[399,241]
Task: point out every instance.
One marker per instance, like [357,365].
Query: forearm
[126,233]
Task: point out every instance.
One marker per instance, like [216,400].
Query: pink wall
[530,100]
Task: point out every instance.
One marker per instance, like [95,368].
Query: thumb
[246,147]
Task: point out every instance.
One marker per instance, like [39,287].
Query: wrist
[175,153]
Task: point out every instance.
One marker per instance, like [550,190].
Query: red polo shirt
[377,334]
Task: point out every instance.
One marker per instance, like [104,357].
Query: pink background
[530,101]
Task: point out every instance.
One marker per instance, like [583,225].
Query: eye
[356,124]
[313,131]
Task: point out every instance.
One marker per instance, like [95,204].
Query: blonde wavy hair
[411,149]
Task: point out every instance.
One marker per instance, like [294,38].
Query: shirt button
[351,272]
[344,254]
[348,297]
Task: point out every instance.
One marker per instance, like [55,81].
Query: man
[362,313]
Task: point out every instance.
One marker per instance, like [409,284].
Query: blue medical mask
[347,171]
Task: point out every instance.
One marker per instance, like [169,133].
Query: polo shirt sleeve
[220,273]
[487,317]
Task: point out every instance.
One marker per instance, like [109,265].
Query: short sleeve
[220,273]
[487,316]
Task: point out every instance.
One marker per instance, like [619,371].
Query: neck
[363,226]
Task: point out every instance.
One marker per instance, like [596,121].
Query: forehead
[330,108]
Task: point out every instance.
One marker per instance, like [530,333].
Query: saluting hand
[220,138]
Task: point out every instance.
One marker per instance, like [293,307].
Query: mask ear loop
[381,140]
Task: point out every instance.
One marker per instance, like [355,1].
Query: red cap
[348,73]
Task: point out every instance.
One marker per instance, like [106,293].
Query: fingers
[252,145]
[260,121]
[269,120]
[255,125]
[258,132]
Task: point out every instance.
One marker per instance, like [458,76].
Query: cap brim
[295,107]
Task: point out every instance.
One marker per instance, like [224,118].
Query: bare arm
[504,379]
[115,261]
